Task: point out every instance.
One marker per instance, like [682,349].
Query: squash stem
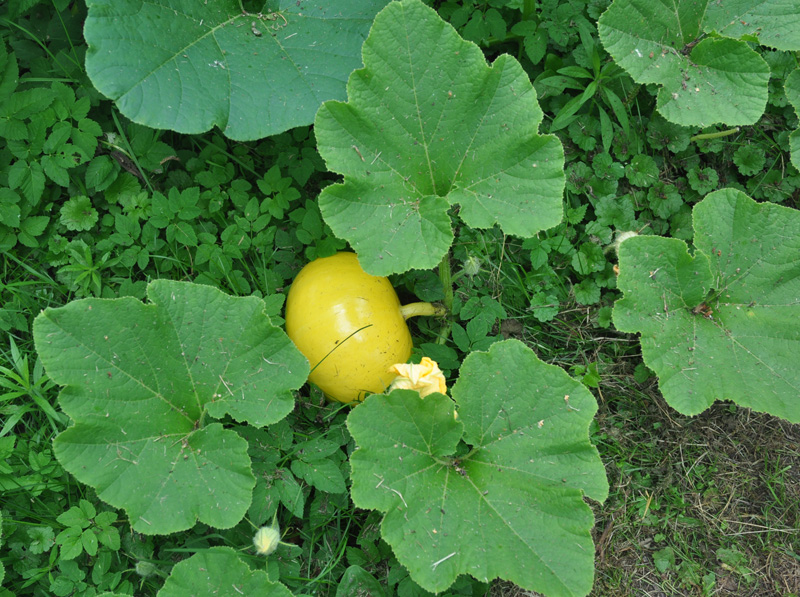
[416,309]
[529,10]
[446,277]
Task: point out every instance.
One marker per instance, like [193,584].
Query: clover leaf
[428,124]
[219,571]
[721,324]
[703,80]
[189,66]
[507,501]
[141,381]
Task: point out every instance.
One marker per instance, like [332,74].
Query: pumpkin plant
[719,324]
[498,491]
[509,475]
[699,53]
[429,124]
[182,408]
[143,385]
[202,64]
[792,89]
[350,326]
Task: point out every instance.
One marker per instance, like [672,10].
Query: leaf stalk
[715,135]
[446,277]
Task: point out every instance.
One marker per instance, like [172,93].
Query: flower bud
[266,540]
[621,237]
[472,265]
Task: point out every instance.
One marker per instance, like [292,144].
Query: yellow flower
[426,377]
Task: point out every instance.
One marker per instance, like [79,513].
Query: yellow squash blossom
[426,377]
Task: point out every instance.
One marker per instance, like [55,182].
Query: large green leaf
[428,124]
[725,323]
[703,81]
[141,381]
[508,504]
[188,65]
[775,23]
[792,88]
[218,571]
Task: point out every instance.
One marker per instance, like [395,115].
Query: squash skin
[333,298]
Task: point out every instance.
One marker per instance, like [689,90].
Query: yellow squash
[350,326]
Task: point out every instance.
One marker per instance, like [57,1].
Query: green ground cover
[498,182]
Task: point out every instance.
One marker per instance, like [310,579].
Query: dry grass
[726,479]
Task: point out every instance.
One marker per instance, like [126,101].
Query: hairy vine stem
[716,135]
[446,277]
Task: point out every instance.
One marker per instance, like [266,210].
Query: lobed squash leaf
[187,65]
[792,87]
[428,125]
[141,381]
[704,78]
[774,23]
[220,572]
[507,501]
[721,324]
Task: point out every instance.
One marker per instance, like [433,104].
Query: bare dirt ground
[705,505]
